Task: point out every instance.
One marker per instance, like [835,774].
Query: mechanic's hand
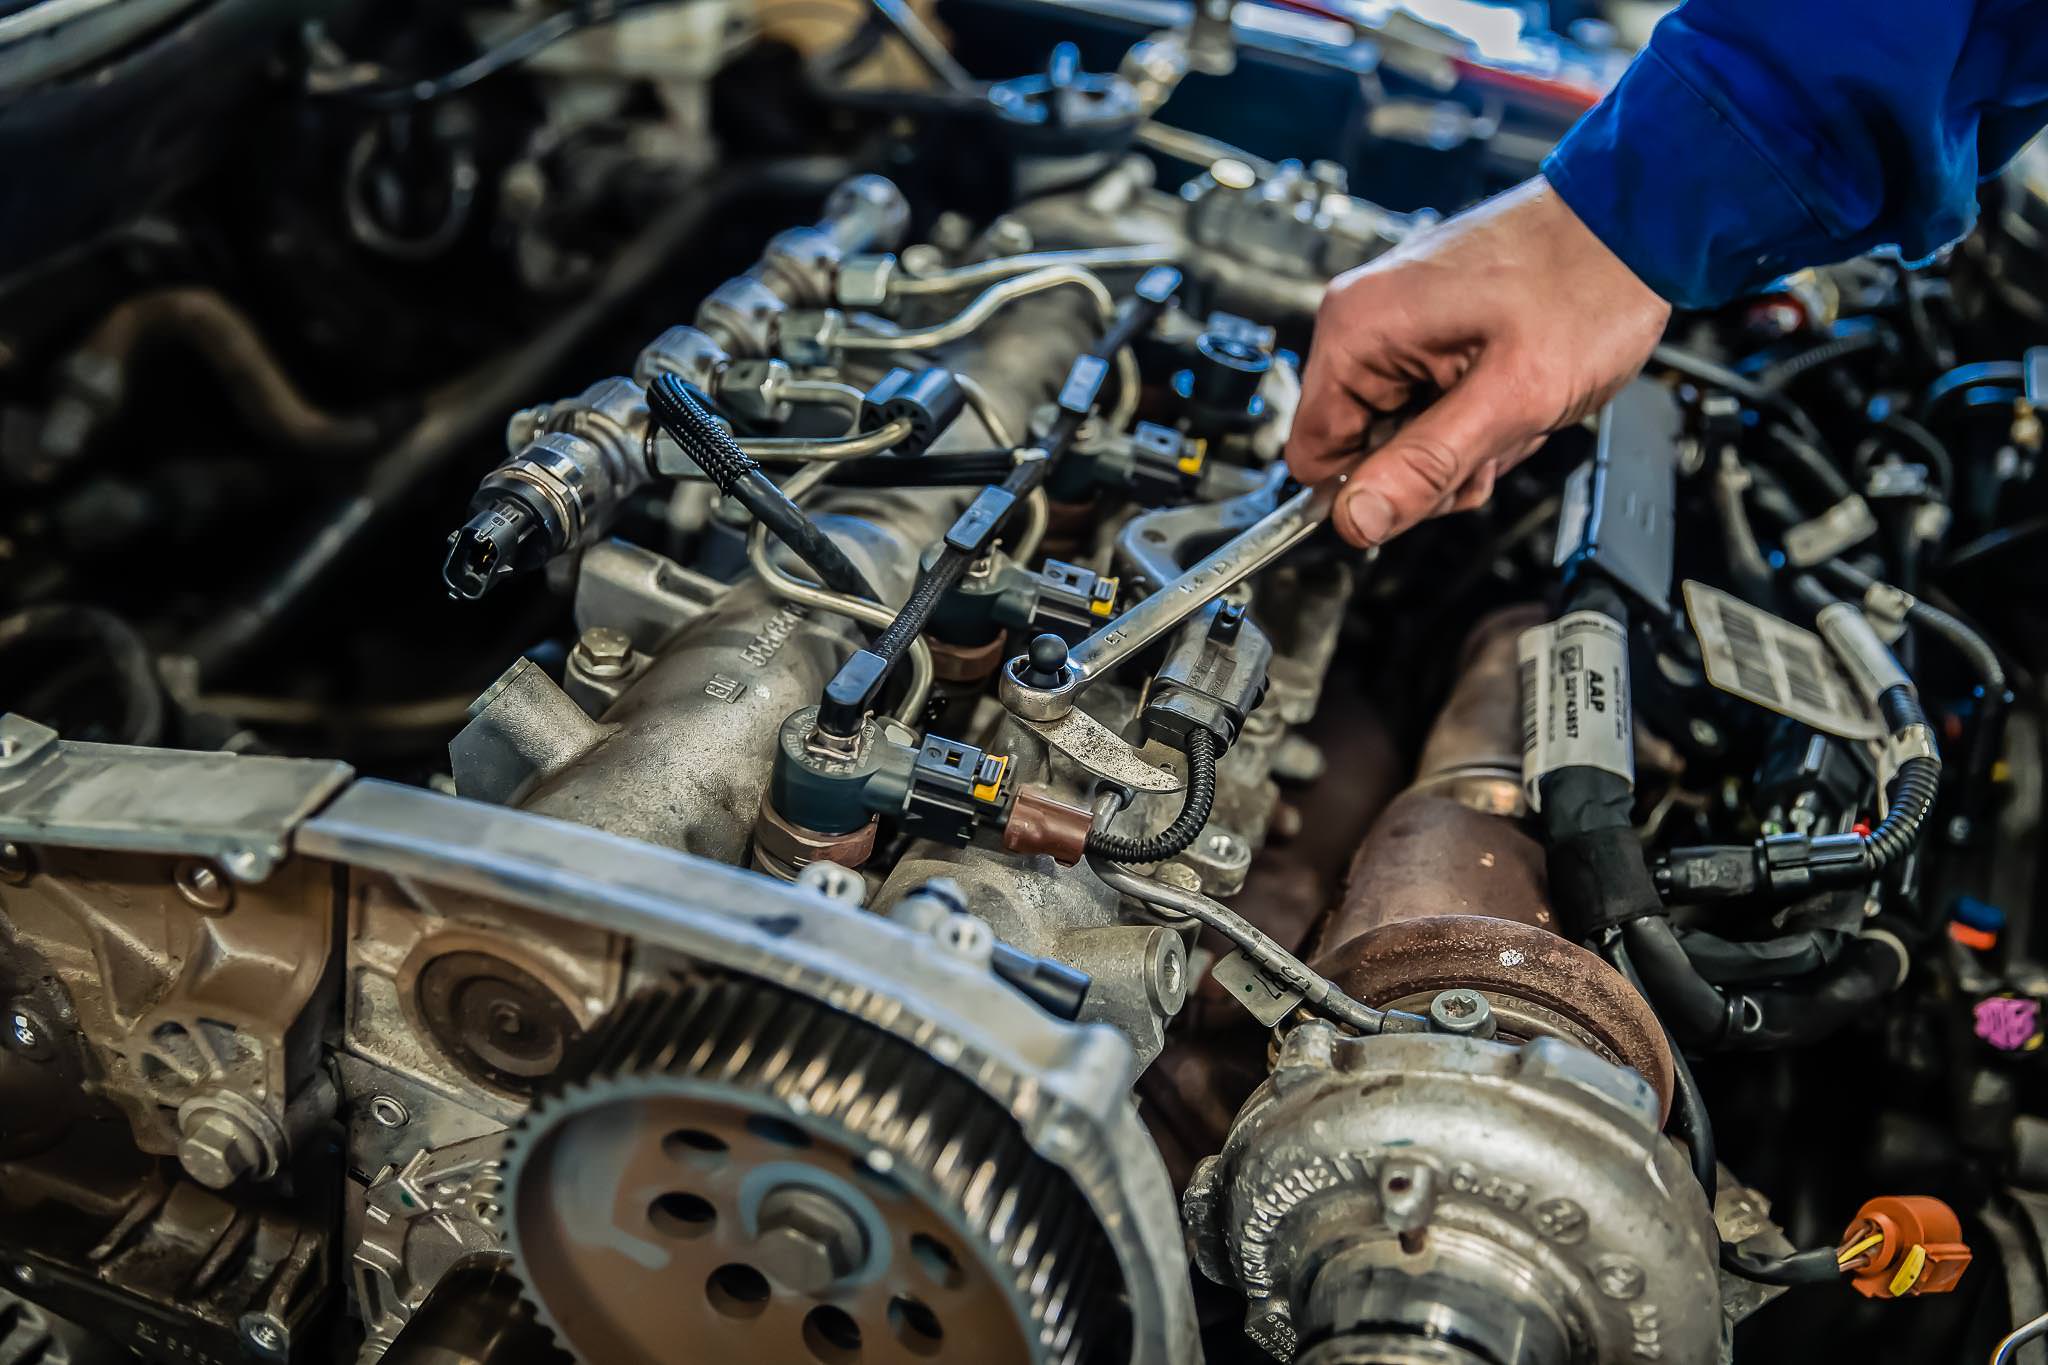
[1514,310]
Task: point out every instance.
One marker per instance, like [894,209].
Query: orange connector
[1903,1244]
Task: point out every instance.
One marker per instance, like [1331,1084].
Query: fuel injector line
[850,694]
[671,404]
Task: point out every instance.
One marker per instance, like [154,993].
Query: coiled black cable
[1912,795]
[1821,355]
[1194,813]
[715,452]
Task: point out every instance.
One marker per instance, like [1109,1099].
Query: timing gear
[749,1170]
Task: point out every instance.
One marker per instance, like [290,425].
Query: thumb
[1428,460]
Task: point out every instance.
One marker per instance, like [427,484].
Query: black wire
[670,403]
[1994,542]
[1809,462]
[1695,1128]
[1705,371]
[521,46]
[1194,812]
[1778,375]
[1815,1266]
[120,644]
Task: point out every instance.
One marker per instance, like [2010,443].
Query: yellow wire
[1855,1249]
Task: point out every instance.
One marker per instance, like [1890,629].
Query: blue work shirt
[1750,139]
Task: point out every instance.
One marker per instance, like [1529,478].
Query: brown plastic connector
[1039,823]
[1904,1244]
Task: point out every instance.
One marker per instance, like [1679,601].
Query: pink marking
[2007,1022]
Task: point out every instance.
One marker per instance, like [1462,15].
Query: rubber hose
[142,702]
[1194,813]
[1814,357]
[715,452]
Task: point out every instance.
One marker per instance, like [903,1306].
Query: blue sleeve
[1751,139]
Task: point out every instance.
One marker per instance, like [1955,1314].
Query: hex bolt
[219,1150]
[25,1273]
[1462,1012]
[808,1239]
[604,653]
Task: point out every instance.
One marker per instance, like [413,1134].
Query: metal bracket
[1103,752]
[239,810]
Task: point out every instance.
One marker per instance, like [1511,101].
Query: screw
[25,1273]
[1703,733]
[1960,829]
[205,888]
[24,1030]
[389,1111]
[1462,1012]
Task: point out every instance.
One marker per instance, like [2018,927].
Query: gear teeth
[946,1139]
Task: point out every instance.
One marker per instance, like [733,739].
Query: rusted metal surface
[1430,855]
[1539,984]
[1449,890]
[968,663]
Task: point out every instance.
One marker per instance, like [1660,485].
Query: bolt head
[24,1030]
[266,1334]
[605,652]
[202,885]
[1463,1012]
[808,1239]
[218,1151]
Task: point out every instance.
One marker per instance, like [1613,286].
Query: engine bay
[663,697]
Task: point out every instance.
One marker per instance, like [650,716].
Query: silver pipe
[926,45]
[827,449]
[1197,149]
[985,408]
[792,589]
[1037,519]
[2008,1349]
[1003,267]
[828,393]
[984,306]
[1317,991]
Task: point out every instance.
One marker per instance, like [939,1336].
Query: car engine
[662,697]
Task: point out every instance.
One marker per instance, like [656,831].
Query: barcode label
[1575,700]
[1769,661]
[1527,673]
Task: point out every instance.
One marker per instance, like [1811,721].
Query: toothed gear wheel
[740,1173]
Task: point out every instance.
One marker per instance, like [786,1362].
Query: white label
[1760,658]
[1268,1000]
[1575,702]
